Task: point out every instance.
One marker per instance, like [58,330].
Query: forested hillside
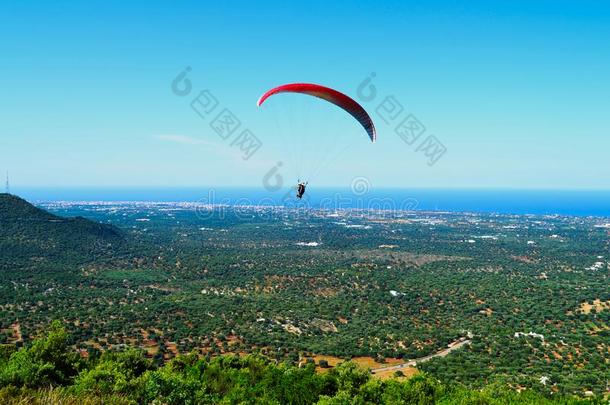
[31,237]
[50,371]
[529,294]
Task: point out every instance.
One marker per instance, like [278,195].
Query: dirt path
[412,363]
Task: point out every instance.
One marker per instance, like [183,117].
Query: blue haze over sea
[507,201]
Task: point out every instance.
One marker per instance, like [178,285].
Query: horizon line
[251,187]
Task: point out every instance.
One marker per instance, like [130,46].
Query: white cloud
[220,150]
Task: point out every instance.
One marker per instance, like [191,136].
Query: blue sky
[516,91]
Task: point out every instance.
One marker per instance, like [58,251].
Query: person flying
[332,96]
[301,189]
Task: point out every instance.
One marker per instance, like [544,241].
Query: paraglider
[332,96]
[301,189]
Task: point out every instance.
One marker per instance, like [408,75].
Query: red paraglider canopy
[330,95]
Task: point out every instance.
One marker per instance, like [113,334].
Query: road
[412,363]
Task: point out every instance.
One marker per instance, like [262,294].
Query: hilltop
[29,234]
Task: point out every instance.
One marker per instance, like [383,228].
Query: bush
[49,361]
[115,373]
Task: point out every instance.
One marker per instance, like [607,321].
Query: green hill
[30,235]
[49,371]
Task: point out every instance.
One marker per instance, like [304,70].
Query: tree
[49,361]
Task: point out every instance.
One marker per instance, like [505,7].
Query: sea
[503,201]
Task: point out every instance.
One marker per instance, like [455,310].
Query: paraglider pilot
[301,189]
